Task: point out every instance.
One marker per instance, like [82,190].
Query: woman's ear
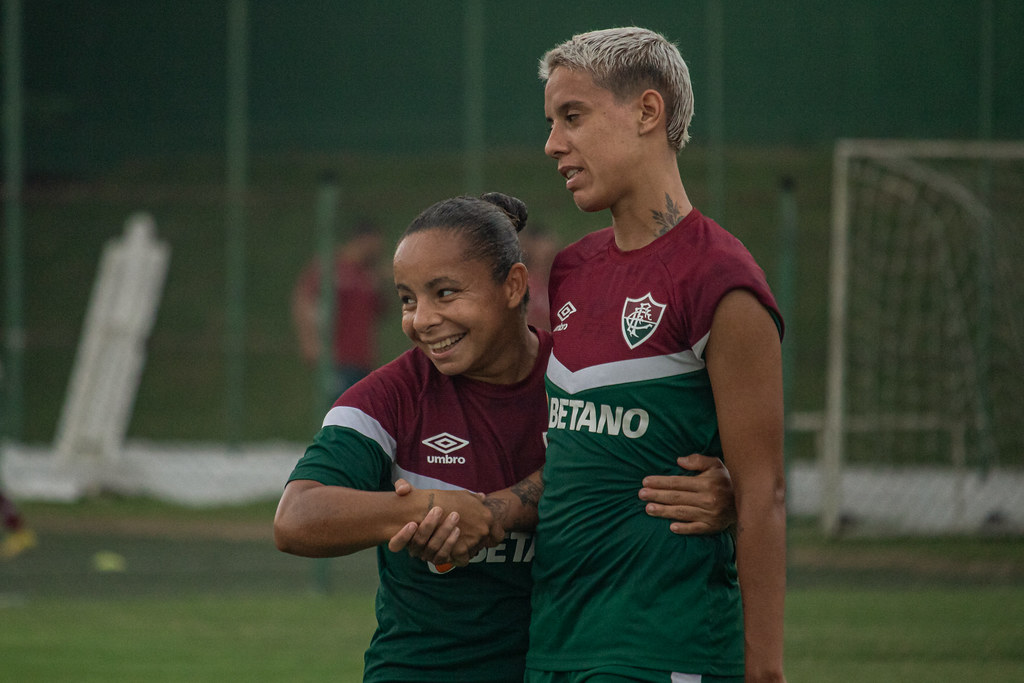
[652,111]
[516,283]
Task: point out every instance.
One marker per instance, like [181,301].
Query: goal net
[924,416]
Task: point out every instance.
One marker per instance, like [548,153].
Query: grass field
[833,636]
[204,596]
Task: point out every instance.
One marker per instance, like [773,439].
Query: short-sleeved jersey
[628,393]
[409,420]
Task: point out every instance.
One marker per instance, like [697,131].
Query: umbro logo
[564,312]
[446,444]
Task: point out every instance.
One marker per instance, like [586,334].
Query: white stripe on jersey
[357,420]
[422,482]
[686,678]
[622,371]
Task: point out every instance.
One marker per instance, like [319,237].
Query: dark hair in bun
[488,225]
[512,206]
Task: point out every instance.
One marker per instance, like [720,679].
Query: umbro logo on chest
[446,444]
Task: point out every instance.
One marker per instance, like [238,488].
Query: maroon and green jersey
[628,393]
[408,420]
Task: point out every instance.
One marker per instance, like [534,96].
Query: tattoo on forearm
[430,502]
[528,492]
[667,219]
[498,508]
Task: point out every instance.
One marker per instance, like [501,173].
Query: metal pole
[237,161]
[785,293]
[716,122]
[326,220]
[985,76]
[786,299]
[788,227]
[986,250]
[834,433]
[473,60]
[14,172]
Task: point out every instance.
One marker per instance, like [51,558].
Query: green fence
[131,105]
[111,80]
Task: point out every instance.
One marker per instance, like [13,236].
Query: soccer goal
[924,409]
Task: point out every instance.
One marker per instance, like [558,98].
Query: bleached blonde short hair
[626,61]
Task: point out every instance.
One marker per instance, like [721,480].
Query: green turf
[878,635]
[204,596]
[832,635]
[246,638]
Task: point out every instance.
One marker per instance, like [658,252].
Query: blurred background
[257,135]
[132,106]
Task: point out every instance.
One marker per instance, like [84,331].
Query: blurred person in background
[18,537]
[359,304]
[539,249]
[461,417]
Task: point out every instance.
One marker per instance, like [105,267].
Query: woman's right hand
[456,527]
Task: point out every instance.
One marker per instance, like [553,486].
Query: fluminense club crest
[640,318]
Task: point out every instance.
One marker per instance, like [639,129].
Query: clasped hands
[456,527]
[458,524]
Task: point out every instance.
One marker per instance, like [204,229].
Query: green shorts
[622,674]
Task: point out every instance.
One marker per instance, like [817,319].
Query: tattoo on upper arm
[667,219]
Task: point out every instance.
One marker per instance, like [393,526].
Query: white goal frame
[835,424]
